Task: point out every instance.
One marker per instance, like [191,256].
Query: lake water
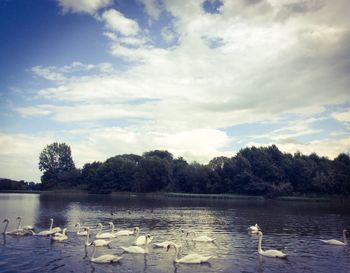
[293,227]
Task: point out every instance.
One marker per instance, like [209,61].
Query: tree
[55,161]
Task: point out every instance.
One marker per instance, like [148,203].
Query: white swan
[60,236]
[17,232]
[80,233]
[103,259]
[106,235]
[48,232]
[254,229]
[337,242]
[202,238]
[98,242]
[271,252]
[193,258]
[162,244]
[125,232]
[140,240]
[138,249]
[26,227]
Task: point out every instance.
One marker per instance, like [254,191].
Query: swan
[140,240]
[18,232]
[48,232]
[103,259]
[193,258]
[98,242]
[162,244]
[271,252]
[60,236]
[25,227]
[202,238]
[138,249]
[105,235]
[337,242]
[254,229]
[126,232]
[80,233]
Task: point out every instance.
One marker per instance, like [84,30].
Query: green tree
[55,161]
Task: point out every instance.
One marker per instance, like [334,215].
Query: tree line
[13,185]
[252,171]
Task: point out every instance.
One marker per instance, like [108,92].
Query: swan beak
[167,248]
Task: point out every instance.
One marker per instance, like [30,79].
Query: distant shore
[189,195]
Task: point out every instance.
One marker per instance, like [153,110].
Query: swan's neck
[64,232]
[93,253]
[112,228]
[344,238]
[87,239]
[146,245]
[78,227]
[19,223]
[7,223]
[176,257]
[259,245]
[51,224]
[100,231]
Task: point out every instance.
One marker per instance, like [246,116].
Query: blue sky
[198,78]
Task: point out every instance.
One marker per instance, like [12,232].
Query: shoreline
[175,195]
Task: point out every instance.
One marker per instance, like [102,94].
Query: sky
[197,78]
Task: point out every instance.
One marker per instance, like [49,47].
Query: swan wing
[203,238]
[133,249]
[124,233]
[163,244]
[194,258]
[333,242]
[106,235]
[273,253]
[108,258]
[140,241]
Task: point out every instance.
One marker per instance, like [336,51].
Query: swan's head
[19,218]
[136,230]
[99,225]
[86,229]
[5,221]
[51,219]
[110,224]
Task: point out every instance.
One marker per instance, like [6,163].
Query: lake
[293,227]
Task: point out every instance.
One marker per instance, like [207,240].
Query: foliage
[254,171]
[56,163]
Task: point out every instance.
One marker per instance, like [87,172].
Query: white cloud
[116,21]
[47,73]
[342,116]
[153,8]
[83,6]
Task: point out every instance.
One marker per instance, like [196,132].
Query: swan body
[337,242]
[17,232]
[126,232]
[141,240]
[271,252]
[103,259]
[193,258]
[254,229]
[25,227]
[202,238]
[60,236]
[138,249]
[80,233]
[163,244]
[106,235]
[48,232]
[98,242]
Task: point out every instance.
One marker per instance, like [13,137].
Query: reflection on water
[294,227]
